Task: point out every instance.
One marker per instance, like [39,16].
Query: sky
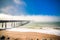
[31,7]
[43,7]
[39,10]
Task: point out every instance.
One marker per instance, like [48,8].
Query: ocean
[39,25]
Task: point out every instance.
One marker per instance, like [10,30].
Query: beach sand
[15,35]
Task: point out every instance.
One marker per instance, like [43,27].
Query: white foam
[46,31]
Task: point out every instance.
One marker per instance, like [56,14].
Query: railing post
[11,24]
[14,24]
[5,25]
[2,24]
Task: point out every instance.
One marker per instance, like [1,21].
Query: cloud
[17,1]
[39,18]
[17,9]
[33,18]
[20,2]
[9,9]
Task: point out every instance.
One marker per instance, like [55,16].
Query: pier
[4,24]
